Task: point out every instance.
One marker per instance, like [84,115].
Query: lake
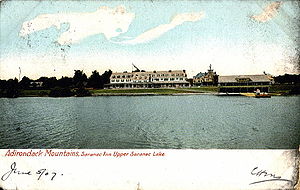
[164,122]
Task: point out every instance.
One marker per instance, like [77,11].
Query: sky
[54,38]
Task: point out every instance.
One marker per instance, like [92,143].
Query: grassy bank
[34,93]
[164,91]
[203,89]
[282,89]
[285,88]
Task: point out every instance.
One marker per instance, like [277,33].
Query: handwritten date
[41,173]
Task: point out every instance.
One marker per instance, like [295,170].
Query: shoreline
[213,90]
[185,94]
[151,94]
[166,94]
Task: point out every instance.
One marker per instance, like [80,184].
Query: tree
[25,83]
[48,83]
[10,89]
[79,79]
[64,82]
[81,92]
[215,80]
[95,80]
[61,92]
[106,76]
[287,79]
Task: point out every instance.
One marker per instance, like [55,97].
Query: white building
[149,79]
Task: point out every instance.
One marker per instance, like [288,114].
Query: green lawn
[34,93]
[284,88]
[203,89]
[139,91]
[244,86]
[40,93]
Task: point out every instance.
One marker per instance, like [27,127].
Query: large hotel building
[149,79]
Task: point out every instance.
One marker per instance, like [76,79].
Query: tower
[210,70]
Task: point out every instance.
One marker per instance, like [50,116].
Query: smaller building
[208,78]
[36,84]
[244,83]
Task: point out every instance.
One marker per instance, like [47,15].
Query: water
[196,121]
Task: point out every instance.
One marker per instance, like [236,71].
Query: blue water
[195,121]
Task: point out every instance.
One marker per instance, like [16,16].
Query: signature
[263,173]
[41,173]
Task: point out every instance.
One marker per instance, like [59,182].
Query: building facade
[149,79]
[206,79]
[245,83]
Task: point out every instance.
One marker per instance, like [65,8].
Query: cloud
[161,29]
[268,13]
[110,22]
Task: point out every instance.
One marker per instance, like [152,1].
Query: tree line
[78,84]
[65,86]
[287,79]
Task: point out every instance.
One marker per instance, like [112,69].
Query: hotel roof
[149,72]
[254,78]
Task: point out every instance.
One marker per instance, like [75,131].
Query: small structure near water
[244,83]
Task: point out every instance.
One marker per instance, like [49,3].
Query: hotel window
[118,76]
[122,80]
[167,75]
[181,78]
[117,80]
[158,75]
[112,80]
[173,75]
[166,79]
[177,74]
[171,78]
[113,76]
[176,78]
[123,76]
[162,75]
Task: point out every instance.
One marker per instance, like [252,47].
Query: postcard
[149,95]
